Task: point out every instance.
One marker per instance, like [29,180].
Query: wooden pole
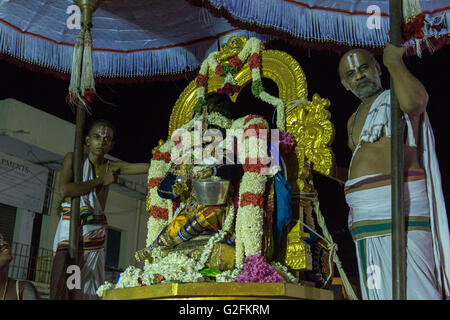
[87,7]
[397,129]
[74,235]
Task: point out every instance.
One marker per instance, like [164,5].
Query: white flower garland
[253,45]
[228,276]
[104,287]
[284,272]
[219,120]
[249,221]
[173,267]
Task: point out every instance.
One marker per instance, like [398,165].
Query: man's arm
[68,188]
[131,168]
[412,95]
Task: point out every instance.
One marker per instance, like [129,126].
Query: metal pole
[397,128]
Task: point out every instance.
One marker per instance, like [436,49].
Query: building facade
[33,144]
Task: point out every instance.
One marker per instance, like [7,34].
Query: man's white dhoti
[369,198]
[370,226]
[91,246]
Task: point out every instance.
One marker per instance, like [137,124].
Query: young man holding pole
[98,174]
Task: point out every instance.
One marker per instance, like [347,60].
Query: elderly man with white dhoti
[368,188]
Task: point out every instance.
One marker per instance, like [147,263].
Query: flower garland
[155,205]
[252,53]
[173,267]
[284,272]
[250,212]
[159,208]
[215,118]
[250,215]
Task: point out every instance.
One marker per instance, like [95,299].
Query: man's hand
[392,55]
[110,176]
[411,94]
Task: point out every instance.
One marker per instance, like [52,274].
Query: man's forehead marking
[102,130]
[353,64]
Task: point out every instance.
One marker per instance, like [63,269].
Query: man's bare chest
[356,125]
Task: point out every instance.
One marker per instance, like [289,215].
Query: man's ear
[345,85]
[378,68]
[87,140]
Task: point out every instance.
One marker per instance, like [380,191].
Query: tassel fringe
[302,24]
[87,84]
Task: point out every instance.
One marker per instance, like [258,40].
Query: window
[7,222]
[112,248]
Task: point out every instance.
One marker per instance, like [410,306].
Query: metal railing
[30,263]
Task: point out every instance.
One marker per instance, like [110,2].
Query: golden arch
[278,66]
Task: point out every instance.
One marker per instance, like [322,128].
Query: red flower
[250,117]
[89,95]
[202,81]
[254,61]
[139,280]
[248,198]
[253,131]
[164,156]
[159,277]
[254,166]
[437,27]
[153,182]
[414,29]
[159,213]
[229,89]
[236,63]
[219,70]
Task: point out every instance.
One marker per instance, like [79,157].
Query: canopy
[141,38]
[341,22]
[130,37]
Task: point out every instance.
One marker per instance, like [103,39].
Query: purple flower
[287,143]
[229,89]
[256,269]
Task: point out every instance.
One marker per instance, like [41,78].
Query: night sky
[141,114]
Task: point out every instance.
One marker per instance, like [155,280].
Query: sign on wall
[22,183]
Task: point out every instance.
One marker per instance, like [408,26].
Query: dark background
[141,114]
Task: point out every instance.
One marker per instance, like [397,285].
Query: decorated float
[252,264]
